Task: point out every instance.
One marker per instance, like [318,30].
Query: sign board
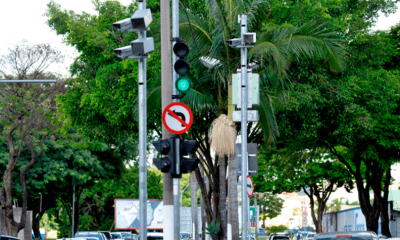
[304,222]
[252,159]
[177,118]
[252,116]
[253,93]
[126,214]
[250,186]
[304,214]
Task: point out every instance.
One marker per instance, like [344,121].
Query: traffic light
[182,66]
[167,164]
[166,148]
[183,84]
[188,164]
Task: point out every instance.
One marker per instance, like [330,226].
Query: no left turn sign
[250,186]
[177,118]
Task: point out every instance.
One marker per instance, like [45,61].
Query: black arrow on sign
[179,114]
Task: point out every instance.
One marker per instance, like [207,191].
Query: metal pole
[243,60]
[177,217]
[182,194]
[142,138]
[73,212]
[27,81]
[175,34]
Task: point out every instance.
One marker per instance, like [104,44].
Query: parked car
[351,235]
[107,234]
[91,234]
[251,237]
[155,236]
[310,236]
[278,236]
[185,236]
[301,236]
[123,235]
[78,238]
[6,237]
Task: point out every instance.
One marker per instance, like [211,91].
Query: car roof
[357,233]
[7,236]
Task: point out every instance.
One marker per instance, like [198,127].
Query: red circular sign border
[252,183]
[165,114]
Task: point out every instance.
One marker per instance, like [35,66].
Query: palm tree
[213,64]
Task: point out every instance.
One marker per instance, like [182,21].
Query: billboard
[127,214]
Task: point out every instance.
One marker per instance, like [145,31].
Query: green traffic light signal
[183,84]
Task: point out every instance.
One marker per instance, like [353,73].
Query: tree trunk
[320,212]
[263,210]
[78,191]
[385,218]
[256,208]
[222,196]
[203,211]
[233,211]
[6,191]
[193,189]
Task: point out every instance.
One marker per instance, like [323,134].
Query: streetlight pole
[27,81]
[182,194]
[243,60]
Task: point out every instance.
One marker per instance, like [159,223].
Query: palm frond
[198,101]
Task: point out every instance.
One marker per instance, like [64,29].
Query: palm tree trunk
[233,225]
[203,211]
[222,195]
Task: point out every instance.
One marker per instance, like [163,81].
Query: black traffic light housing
[188,164]
[182,66]
[167,164]
[164,147]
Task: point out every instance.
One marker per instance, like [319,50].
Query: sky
[33,28]
[24,20]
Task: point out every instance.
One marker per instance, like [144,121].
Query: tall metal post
[142,138]
[175,34]
[177,217]
[243,60]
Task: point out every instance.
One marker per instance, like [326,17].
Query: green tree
[27,117]
[68,160]
[102,81]
[270,205]
[353,118]
[286,170]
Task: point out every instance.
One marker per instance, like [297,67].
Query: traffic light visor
[182,66]
[183,84]
[162,146]
[189,147]
[181,49]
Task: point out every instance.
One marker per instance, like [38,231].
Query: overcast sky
[23,20]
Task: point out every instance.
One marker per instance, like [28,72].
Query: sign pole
[243,59]
[176,181]
[142,137]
